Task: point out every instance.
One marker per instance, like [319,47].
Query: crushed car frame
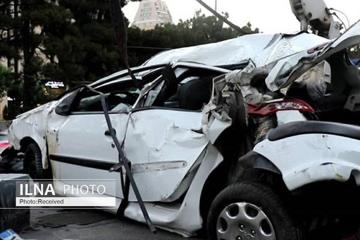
[185,125]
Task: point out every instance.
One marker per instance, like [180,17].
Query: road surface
[89,225]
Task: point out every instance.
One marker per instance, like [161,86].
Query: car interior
[87,101]
[189,91]
[340,100]
[121,94]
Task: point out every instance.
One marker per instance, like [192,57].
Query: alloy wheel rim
[244,221]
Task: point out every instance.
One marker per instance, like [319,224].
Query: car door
[84,151]
[164,141]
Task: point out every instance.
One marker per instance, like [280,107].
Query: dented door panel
[168,140]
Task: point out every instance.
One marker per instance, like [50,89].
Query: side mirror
[64,107]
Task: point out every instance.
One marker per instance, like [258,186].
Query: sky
[270,16]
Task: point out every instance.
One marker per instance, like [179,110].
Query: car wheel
[33,162]
[245,211]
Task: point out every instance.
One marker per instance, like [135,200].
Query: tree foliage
[23,29]
[200,29]
[73,42]
[4,76]
[83,50]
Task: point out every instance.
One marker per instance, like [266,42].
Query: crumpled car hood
[288,69]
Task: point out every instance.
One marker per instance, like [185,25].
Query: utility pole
[216,5]
[221,17]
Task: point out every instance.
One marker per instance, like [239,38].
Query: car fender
[32,126]
[21,132]
[310,158]
[253,160]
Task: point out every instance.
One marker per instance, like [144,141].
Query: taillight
[4,144]
[280,105]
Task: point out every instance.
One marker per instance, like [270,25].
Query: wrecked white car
[301,173]
[183,124]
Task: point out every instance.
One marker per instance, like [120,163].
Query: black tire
[265,199]
[33,163]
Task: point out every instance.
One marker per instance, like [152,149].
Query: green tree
[4,78]
[70,41]
[74,42]
[85,50]
[24,23]
[200,29]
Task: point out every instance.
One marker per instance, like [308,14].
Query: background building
[152,13]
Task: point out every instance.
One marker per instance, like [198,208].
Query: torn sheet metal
[228,104]
[316,80]
[289,69]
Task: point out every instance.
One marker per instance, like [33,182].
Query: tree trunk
[16,39]
[29,84]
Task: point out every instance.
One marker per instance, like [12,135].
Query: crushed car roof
[261,48]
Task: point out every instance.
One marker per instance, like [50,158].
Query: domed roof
[152,13]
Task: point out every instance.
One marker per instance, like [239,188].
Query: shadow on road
[88,224]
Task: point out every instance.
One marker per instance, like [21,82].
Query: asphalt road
[47,224]
[59,224]
[89,225]
[97,225]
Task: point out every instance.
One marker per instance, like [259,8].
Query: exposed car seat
[195,93]
[169,88]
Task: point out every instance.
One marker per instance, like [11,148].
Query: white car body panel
[261,48]
[163,138]
[111,190]
[288,116]
[32,125]
[82,136]
[215,128]
[183,218]
[327,157]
